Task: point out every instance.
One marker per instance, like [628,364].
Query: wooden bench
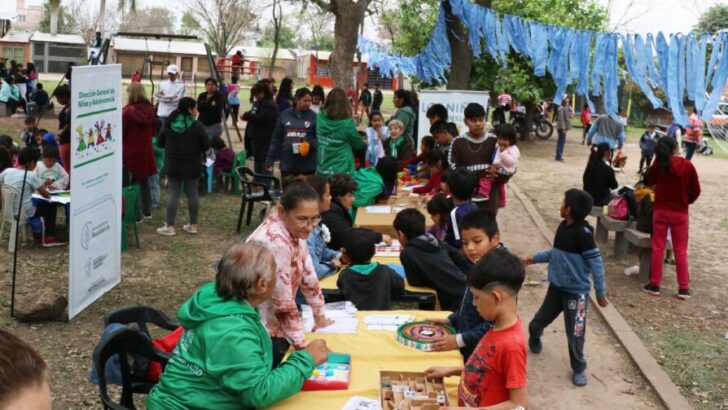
[618,226]
[643,242]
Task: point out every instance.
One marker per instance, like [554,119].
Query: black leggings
[47,211]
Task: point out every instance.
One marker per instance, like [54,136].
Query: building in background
[15,46]
[52,53]
[314,68]
[131,53]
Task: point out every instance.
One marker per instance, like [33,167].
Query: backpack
[617,208]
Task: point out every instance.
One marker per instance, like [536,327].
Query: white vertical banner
[455,101]
[96,178]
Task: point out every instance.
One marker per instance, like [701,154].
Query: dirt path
[613,378]
[685,338]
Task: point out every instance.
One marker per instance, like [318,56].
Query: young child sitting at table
[428,262]
[437,163]
[439,208]
[495,374]
[27,161]
[50,171]
[480,234]
[462,185]
[369,285]
[426,145]
[573,259]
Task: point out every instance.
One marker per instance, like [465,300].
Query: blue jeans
[154,190]
[690,150]
[560,142]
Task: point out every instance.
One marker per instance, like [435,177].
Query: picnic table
[379,217]
[372,352]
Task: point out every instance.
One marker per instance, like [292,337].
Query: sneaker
[166,230]
[189,229]
[534,343]
[560,159]
[50,242]
[651,289]
[683,294]
[579,379]
[479,198]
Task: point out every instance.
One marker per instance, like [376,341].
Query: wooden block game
[410,391]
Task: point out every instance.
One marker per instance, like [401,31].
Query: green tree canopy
[715,18]
[287,37]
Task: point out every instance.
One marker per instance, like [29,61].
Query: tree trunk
[528,121]
[346,29]
[277,22]
[102,13]
[54,18]
[461,54]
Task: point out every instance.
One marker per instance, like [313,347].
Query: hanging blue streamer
[677,66]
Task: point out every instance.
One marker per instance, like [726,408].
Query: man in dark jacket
[429,262]
[261,122]
[377,99]
[365,99]
[295,126]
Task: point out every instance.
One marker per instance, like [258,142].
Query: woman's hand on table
[318,350]
[387,239]
[321,322]
[439,372]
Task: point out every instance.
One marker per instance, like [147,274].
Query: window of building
[14,53]
[21,18]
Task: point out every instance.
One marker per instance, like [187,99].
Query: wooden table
[372,352]
[382,222]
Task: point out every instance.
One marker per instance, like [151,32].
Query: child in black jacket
[367,284]
[429,262]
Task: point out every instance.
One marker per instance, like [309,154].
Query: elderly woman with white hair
[224,359]
[398,146]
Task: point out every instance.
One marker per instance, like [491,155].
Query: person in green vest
[224,359]
[337,136]
[406,112]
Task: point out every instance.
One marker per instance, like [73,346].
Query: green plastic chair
[232,176]
[131,196]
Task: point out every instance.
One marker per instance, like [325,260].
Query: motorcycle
[540,125]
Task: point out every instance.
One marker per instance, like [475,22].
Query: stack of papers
[362,403]
[387,322]
[379,209]
[343,314]
[393,250]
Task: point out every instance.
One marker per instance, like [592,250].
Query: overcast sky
[643,16]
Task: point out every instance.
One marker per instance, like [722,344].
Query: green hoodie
[224,359]
[337,140]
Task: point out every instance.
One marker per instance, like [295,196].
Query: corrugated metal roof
[159,46]
[17,37]
[58,38]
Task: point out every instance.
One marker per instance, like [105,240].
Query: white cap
[172,69]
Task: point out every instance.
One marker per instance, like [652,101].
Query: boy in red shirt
[494,376]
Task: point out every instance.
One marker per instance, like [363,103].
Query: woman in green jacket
[337,136]
[224,358]
[406,106]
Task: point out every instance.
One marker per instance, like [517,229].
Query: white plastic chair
[11,196]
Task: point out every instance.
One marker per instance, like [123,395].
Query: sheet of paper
[398,209]
[379,209]
[56,199]
[388,323]
[342,313]
[361,403]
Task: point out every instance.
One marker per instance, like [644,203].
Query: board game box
[410,391]
[332,375]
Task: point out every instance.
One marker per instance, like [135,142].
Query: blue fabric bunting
[676,66]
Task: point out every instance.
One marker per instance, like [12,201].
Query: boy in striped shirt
[571,261]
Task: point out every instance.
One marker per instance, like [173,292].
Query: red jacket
[139,124]
[432,187]
[676,188]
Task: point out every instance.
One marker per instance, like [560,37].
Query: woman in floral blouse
[285,231]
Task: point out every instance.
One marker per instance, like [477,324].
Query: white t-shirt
[168,96]
[14,177]
[56,174]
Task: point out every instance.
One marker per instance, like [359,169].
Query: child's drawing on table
[505,162]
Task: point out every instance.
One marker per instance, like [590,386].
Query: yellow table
[381,222]
[372,352]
